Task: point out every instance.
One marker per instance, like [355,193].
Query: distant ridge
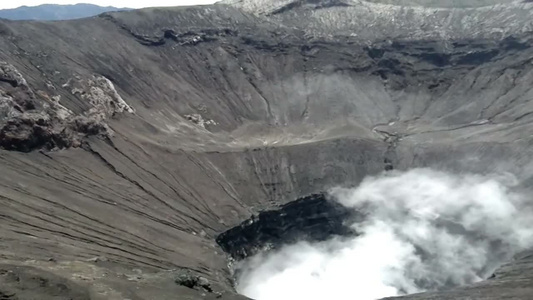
[51,12]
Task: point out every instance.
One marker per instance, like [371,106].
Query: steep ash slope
[131,140]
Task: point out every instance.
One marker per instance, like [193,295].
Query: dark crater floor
[313,219]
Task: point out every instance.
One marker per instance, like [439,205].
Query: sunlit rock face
[130,141]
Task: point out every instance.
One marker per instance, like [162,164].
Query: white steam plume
[424,230]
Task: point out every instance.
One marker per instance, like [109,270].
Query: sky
[117,3]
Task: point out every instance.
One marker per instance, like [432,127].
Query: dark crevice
[512,43]
[263,45]
[437,59]
[375,52]
[477,58]
[316,4]
[145,40]
[12,82]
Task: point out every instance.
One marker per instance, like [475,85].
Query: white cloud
[424,230]
[116,3]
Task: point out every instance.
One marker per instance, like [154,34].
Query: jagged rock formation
[141,136]
[35,120]
[313,218]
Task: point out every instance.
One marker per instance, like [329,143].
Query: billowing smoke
[423,230]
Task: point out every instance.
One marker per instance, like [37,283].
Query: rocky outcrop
[32,121]
[314,218]
[188,279]
[102,96]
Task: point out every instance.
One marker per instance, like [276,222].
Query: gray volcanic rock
[36,120]
[141,136]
